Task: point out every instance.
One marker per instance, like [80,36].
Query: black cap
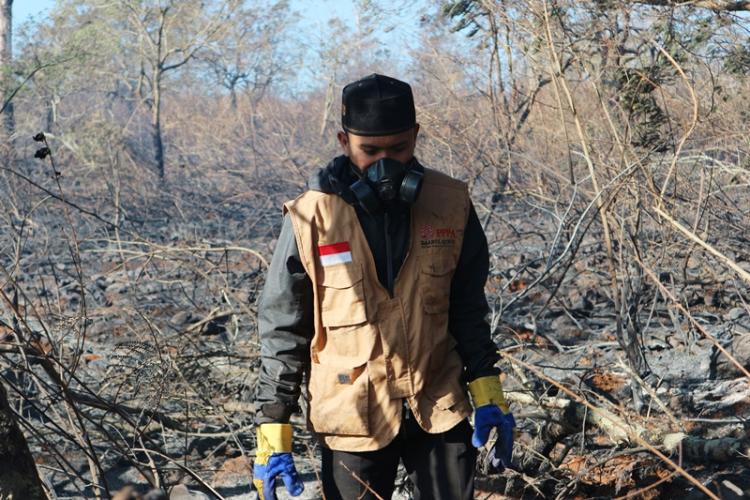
[377,105]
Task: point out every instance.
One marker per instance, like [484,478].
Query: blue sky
[314,12]
[398,22]
[398,19]
[22,9]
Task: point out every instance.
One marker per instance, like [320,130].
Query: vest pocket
[445,387]
[342,296]
[448,400]
[436,273]
[339,400]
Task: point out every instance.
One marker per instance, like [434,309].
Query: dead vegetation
[606,148]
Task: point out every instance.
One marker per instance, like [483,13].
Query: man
[376,291]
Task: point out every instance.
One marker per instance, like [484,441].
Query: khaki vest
[370,351]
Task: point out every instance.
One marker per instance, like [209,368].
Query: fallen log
[720,450]
[656,438]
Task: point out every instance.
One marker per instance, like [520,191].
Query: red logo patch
[446,232]
[432,237]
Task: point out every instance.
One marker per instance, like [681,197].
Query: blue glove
[491,410]
[279,464]
[273,458]
[487,417]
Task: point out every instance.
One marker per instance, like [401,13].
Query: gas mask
[386,182]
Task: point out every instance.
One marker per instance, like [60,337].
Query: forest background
[148,146]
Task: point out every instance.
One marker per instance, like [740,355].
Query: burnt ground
[152,329]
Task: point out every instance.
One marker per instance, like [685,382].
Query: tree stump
[18,474]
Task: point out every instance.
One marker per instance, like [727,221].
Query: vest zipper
[388,254]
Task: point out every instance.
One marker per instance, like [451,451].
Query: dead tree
[6,54]
[18,475]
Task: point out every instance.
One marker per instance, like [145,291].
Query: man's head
[379,121]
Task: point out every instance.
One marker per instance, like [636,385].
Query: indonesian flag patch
[336,253]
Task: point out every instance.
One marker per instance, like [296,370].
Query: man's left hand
[491,410]
[487,417]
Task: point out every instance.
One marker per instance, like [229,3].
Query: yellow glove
[488,390]
[273,458]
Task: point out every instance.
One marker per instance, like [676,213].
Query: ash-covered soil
[151,331]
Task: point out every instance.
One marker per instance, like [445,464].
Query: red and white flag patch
[336,253]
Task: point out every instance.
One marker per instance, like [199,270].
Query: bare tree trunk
[233,97]
[328,104]
[6,57]
[18,474]
[156,126]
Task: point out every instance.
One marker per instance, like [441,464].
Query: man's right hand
[273,458]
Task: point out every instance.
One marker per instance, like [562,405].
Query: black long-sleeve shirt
[285,314]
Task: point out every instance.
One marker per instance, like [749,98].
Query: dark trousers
[441,466]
